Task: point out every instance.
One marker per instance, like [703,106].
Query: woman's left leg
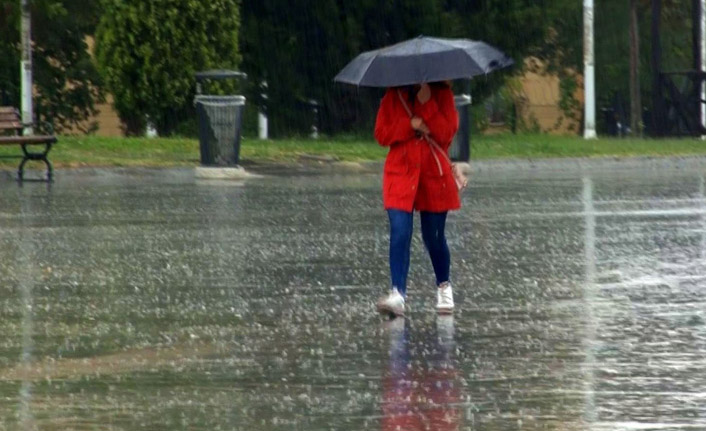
[433,226]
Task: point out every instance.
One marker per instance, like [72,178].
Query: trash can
[220,121]
[460,150]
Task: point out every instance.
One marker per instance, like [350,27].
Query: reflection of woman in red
[422,398]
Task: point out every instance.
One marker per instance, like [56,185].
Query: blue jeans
[433,225]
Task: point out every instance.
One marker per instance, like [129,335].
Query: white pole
[150,130]
[589,74]
[262,125]
[314,129]
[702,37]
[26,66]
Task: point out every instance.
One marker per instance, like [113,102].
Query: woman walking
[418,123]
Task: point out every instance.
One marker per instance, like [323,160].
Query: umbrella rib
[369,63]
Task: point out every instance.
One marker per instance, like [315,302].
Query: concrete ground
[149,299]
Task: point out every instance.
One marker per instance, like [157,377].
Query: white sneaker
[444,299]
[393,303]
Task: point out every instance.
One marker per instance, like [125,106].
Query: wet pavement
[148,300]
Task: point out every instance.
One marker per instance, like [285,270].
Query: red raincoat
[413,178]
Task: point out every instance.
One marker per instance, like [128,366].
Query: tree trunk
[657,105]
[635,102]
[134,125]
[697,45]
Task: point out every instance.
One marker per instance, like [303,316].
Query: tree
[148,53]
[563,51]
[314,39]
[66,82]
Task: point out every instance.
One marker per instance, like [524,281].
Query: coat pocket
[399,187]
[396,161]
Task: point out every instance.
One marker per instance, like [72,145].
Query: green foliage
[563,50]
[149,51]
[569,105]
[315,39]
[66,82]
[517,27]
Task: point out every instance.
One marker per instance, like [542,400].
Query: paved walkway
[145,299]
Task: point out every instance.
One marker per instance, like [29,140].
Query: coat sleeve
[390,125]
[440,115]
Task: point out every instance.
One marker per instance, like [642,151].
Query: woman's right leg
[400,241]
[433,226]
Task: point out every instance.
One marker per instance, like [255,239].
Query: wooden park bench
[11,134]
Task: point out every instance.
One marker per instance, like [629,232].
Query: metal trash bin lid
[213,100]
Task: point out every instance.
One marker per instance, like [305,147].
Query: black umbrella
[423,59]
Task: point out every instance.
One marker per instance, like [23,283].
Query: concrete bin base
[218,173]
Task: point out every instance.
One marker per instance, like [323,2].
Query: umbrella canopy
[423,59]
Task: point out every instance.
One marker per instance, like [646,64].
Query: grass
[544,146]
[99,151]
[347,149]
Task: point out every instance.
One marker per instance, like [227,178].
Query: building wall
[107,119]
[541,94]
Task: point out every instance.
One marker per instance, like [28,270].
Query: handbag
[459,177]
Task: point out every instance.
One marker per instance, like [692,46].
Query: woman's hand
[424,93]
[419,125]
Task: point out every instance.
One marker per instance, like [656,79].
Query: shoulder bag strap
[432,143]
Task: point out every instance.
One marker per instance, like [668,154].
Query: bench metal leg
[21,170]
[50,170]
[28,155]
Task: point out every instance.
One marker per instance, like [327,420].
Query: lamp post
[702,60]
[588,72]
[26,66]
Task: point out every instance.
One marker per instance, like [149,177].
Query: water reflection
[589,300]
[421,395]
[702,206]
[26,420]
[26,277]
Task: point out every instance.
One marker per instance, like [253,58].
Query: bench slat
[16,140]
[4,125]
[9,115]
